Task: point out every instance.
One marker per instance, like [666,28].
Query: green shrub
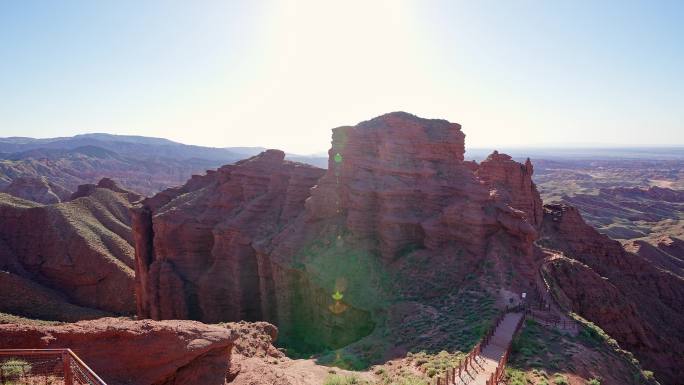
[335,379]
[648,374]
[526,344]
[560,380]
[594,381]
[14,367]
[515,377]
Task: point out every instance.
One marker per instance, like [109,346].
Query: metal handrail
[70,363]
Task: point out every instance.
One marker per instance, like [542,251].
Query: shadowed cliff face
[322,254]
[196,245]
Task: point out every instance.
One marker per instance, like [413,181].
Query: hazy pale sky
[281,74]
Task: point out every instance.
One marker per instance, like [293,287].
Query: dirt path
[285,371]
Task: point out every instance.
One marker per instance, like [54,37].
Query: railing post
[68,374]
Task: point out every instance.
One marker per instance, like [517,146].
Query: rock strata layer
[196,245]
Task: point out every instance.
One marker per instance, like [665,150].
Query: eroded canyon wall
[196,245]
[636,302]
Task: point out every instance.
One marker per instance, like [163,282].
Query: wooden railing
[451,374]
[501,366]
[45,366]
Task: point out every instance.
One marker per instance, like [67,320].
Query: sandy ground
[285,371]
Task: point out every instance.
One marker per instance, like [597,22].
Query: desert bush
[560,379]
[526,344]
[515,377]
[14,368]
[335,379]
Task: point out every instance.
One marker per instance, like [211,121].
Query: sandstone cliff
[324,254]
[195,245]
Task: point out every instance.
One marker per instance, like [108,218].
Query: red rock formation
[255,339]
[400,181]
[85,190]
[240,243]
[637,303]
[195,244]
[512,181]
[125,352]
[80,250]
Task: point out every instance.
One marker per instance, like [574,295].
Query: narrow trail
[551,314]
[486,363]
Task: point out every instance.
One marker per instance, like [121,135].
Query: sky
[282,74]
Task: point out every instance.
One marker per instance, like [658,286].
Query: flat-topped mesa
[398,141]
[400,181]
[195,244]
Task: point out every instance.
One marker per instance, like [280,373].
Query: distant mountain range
[136,147]
[148,165]
[143,164]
